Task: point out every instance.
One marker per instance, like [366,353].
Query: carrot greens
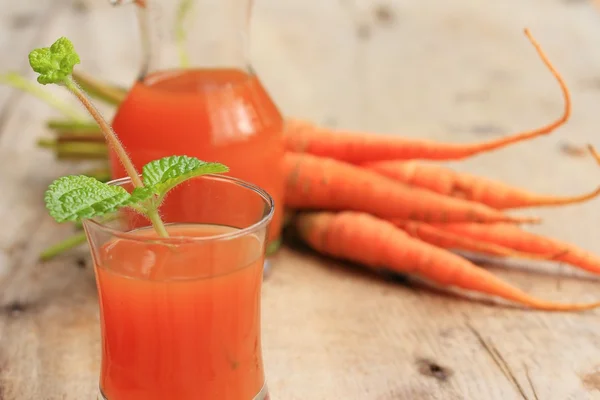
[72,198]
[17,81]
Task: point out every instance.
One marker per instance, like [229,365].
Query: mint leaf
[168,172]
[71,198]
[54,63]
[141,194]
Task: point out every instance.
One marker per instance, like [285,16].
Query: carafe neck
[194,34]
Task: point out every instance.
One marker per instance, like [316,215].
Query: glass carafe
[198,95]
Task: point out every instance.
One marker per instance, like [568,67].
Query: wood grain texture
[454,71]
[21,24]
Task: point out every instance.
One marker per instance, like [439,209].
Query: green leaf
[71,198]
[141,194]
[54,63]
[168,172]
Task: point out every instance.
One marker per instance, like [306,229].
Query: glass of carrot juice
[180,316]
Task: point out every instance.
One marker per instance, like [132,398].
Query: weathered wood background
[454,71]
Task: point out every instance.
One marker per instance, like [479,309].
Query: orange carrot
[513,237]
[363,238]
[594,153]
[448,182]
[448,240]
[321,183]
[359,148]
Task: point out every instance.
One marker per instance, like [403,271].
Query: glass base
[262,395]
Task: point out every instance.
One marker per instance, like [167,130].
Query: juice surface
[222,115]
[181,323]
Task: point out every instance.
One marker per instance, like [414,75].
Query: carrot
[363,238]
[359,147]
[513,237]
[448,182]
[321,183]
[594,153]
[448,240]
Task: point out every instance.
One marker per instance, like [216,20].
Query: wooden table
[454,71]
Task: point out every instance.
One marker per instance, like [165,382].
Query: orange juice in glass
[197,95]
[180,316]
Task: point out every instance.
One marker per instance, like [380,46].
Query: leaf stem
[115,143]
[157,222]
[17,81]
[108,132]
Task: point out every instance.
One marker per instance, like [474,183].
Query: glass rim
[261,223]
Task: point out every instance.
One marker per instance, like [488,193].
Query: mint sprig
[54,63]
[72,198]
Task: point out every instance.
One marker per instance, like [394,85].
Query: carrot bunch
[368,199]
[371,199]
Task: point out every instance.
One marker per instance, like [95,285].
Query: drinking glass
[180,316]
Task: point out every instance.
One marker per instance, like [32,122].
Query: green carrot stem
[75,156]
[63,246]
[75,149]
[72,241]
[104,219]
[102,174]
[67,137]
[109,93]
[17,81]
[47,143]
[273,247]
[73,126]
[140,3]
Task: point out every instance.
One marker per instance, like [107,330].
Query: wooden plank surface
[454,71]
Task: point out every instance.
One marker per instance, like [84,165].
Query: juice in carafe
[222,115]
[197,95]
